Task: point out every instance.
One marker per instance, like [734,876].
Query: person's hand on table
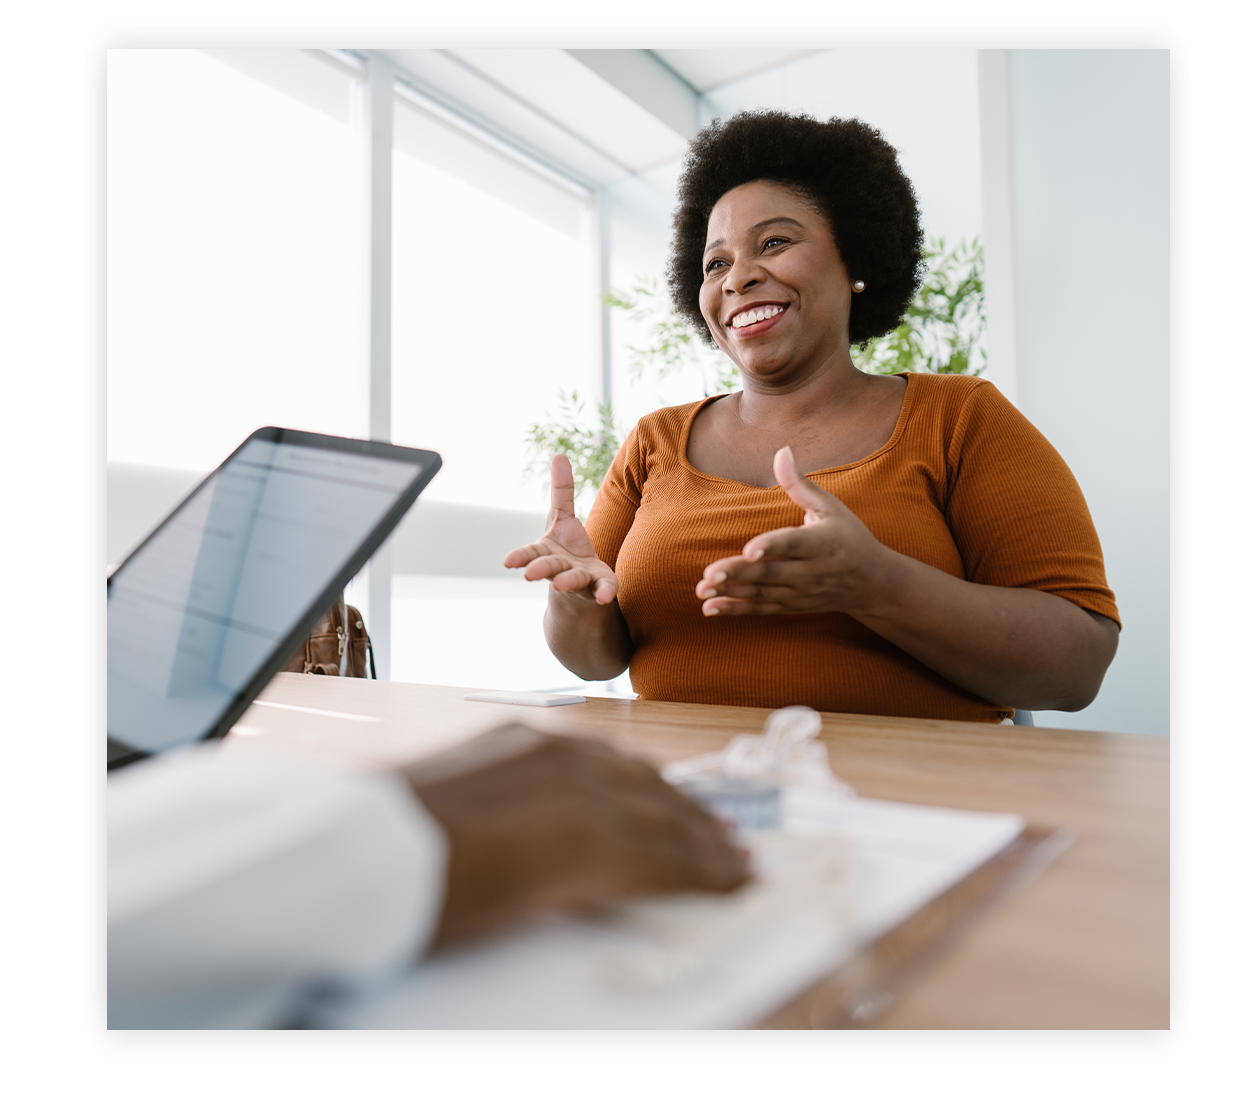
[542,824]
[824,565]
[565,554]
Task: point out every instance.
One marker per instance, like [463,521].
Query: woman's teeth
[753,316]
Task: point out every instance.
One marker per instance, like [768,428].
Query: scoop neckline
[898,430]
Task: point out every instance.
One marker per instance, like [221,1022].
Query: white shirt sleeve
[240,887]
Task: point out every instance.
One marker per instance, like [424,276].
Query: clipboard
[921,875]
[866,986]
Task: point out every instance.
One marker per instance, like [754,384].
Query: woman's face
[770,255]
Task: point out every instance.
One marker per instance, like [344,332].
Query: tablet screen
[209,599]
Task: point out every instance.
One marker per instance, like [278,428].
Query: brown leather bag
[338,645]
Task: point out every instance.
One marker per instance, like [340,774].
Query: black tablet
[210,605]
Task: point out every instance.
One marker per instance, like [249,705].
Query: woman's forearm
[589,638]
[1019,647]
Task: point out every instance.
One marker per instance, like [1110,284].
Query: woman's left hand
[831,563]
[1018,647]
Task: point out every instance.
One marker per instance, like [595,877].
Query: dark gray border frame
[428,463]
[628,1046]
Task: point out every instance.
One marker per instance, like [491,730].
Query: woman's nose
[744,275]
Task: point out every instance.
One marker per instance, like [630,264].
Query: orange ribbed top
[965,484]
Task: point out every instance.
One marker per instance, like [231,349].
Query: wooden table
[1082,944]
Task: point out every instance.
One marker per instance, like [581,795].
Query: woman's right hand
[565,554]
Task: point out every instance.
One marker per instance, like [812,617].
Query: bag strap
[341,633]
[370,653]
[360,624]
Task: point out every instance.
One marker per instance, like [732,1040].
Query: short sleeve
[614,509]
[1015,509]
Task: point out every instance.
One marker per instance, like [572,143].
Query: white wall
[1088,151]
[923,101]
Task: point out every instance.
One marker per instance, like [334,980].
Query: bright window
[233,256]
[494,307]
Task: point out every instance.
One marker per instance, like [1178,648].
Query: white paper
[524,698]
[553,975]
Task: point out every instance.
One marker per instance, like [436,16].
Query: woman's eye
[774,240]
[712,265]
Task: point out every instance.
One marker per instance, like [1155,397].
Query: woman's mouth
[755,321]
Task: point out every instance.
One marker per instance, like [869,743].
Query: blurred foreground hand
[542,824]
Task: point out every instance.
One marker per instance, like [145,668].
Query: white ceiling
[600,115]
[559,86]
[708,69]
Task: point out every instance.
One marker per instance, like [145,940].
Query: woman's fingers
[576,577]
[783,581]
[562,490]
[541,559]
[572,579]
[771,593]
[769,552]
[606,590]
[800,489]
[524,555]
[565,551]
[571,576]
[550,566]
[787,542]
[725,606]
[568,569]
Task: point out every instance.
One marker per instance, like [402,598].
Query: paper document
[524,698]
[707,962]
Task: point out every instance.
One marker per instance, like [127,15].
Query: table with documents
[997,877]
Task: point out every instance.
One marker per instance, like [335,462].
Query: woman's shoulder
[665,429]
[949,389]
[949,401]
[960,412]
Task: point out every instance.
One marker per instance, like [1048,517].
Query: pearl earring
[859,287]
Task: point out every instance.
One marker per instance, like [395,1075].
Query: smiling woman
[939,560]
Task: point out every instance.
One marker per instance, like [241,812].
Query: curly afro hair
[842,166]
